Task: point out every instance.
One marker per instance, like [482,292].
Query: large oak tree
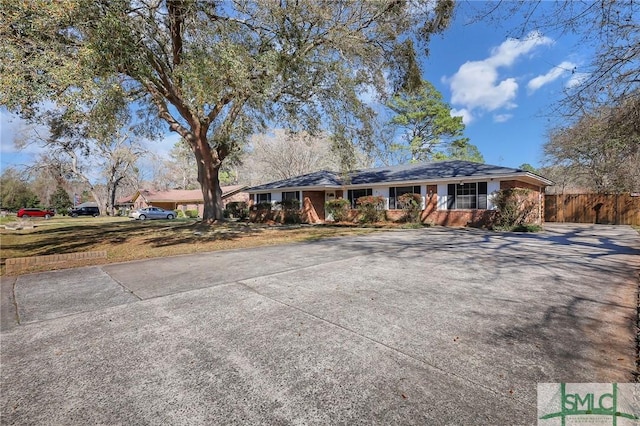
[214,71]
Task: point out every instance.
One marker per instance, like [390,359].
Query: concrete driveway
[432,326]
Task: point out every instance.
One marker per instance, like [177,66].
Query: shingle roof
[185,195]
[321,178]
[404,173]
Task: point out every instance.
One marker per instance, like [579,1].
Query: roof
[183,195]
[87,204]
[434,171]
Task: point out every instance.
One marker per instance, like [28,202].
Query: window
[260,198]
[293,195]
[354,194]
[395,192]
[472,195]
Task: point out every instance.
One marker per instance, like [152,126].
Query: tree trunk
[101,205]
[208,170]
[112,188]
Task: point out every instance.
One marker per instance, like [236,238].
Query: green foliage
[290,211]
[237,209]
[180,213]
[16,193]
[527,167]
[370,208]
[264,205]
[193,214]
[426,122]
[460,149]
[515,207]
[412,206]
[61,201]
[338,208]
[213,72]
[289,204]
[530,227]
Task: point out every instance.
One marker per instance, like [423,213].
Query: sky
[503,88]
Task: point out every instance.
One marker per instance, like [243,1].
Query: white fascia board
[295,188]
[528,177]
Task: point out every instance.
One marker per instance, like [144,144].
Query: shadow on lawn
[105,235]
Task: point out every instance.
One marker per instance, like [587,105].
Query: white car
[153,213]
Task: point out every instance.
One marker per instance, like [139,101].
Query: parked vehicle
[85,211]
[153,213]
[47,214]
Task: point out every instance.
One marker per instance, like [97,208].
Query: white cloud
[577,79]
[162,147]
[510,50]
[501,118]
[553,74]
[476,85]
[466,115]
[15,134]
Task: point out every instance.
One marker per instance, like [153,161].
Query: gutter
[457,179]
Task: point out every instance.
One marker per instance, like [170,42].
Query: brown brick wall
[509,184]
[475,218]
[17,264]
[536,197]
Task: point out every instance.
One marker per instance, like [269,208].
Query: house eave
[295,188]
[525,177]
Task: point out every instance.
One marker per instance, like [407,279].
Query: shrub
[289,204]
[532,227]
[180,213]
[237,209]
[290,211]
[263,205]
[191,213]
[411,205]
[515,208]
[339,209]
[370,208]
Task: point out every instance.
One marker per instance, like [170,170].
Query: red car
[35,213]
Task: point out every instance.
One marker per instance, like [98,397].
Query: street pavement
[430,326]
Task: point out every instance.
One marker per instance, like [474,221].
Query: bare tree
[121,153]
[112,158]
[283,154]
[601,150]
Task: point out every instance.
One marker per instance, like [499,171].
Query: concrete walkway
[432,326]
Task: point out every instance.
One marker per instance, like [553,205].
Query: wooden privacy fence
[615,209]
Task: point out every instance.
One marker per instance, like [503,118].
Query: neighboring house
[454,193]
[181,199]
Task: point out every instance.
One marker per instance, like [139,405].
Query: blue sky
[502,87]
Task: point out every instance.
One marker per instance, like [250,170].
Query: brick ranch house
[185,199]
[454,193]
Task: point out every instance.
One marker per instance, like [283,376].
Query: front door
[313,206]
